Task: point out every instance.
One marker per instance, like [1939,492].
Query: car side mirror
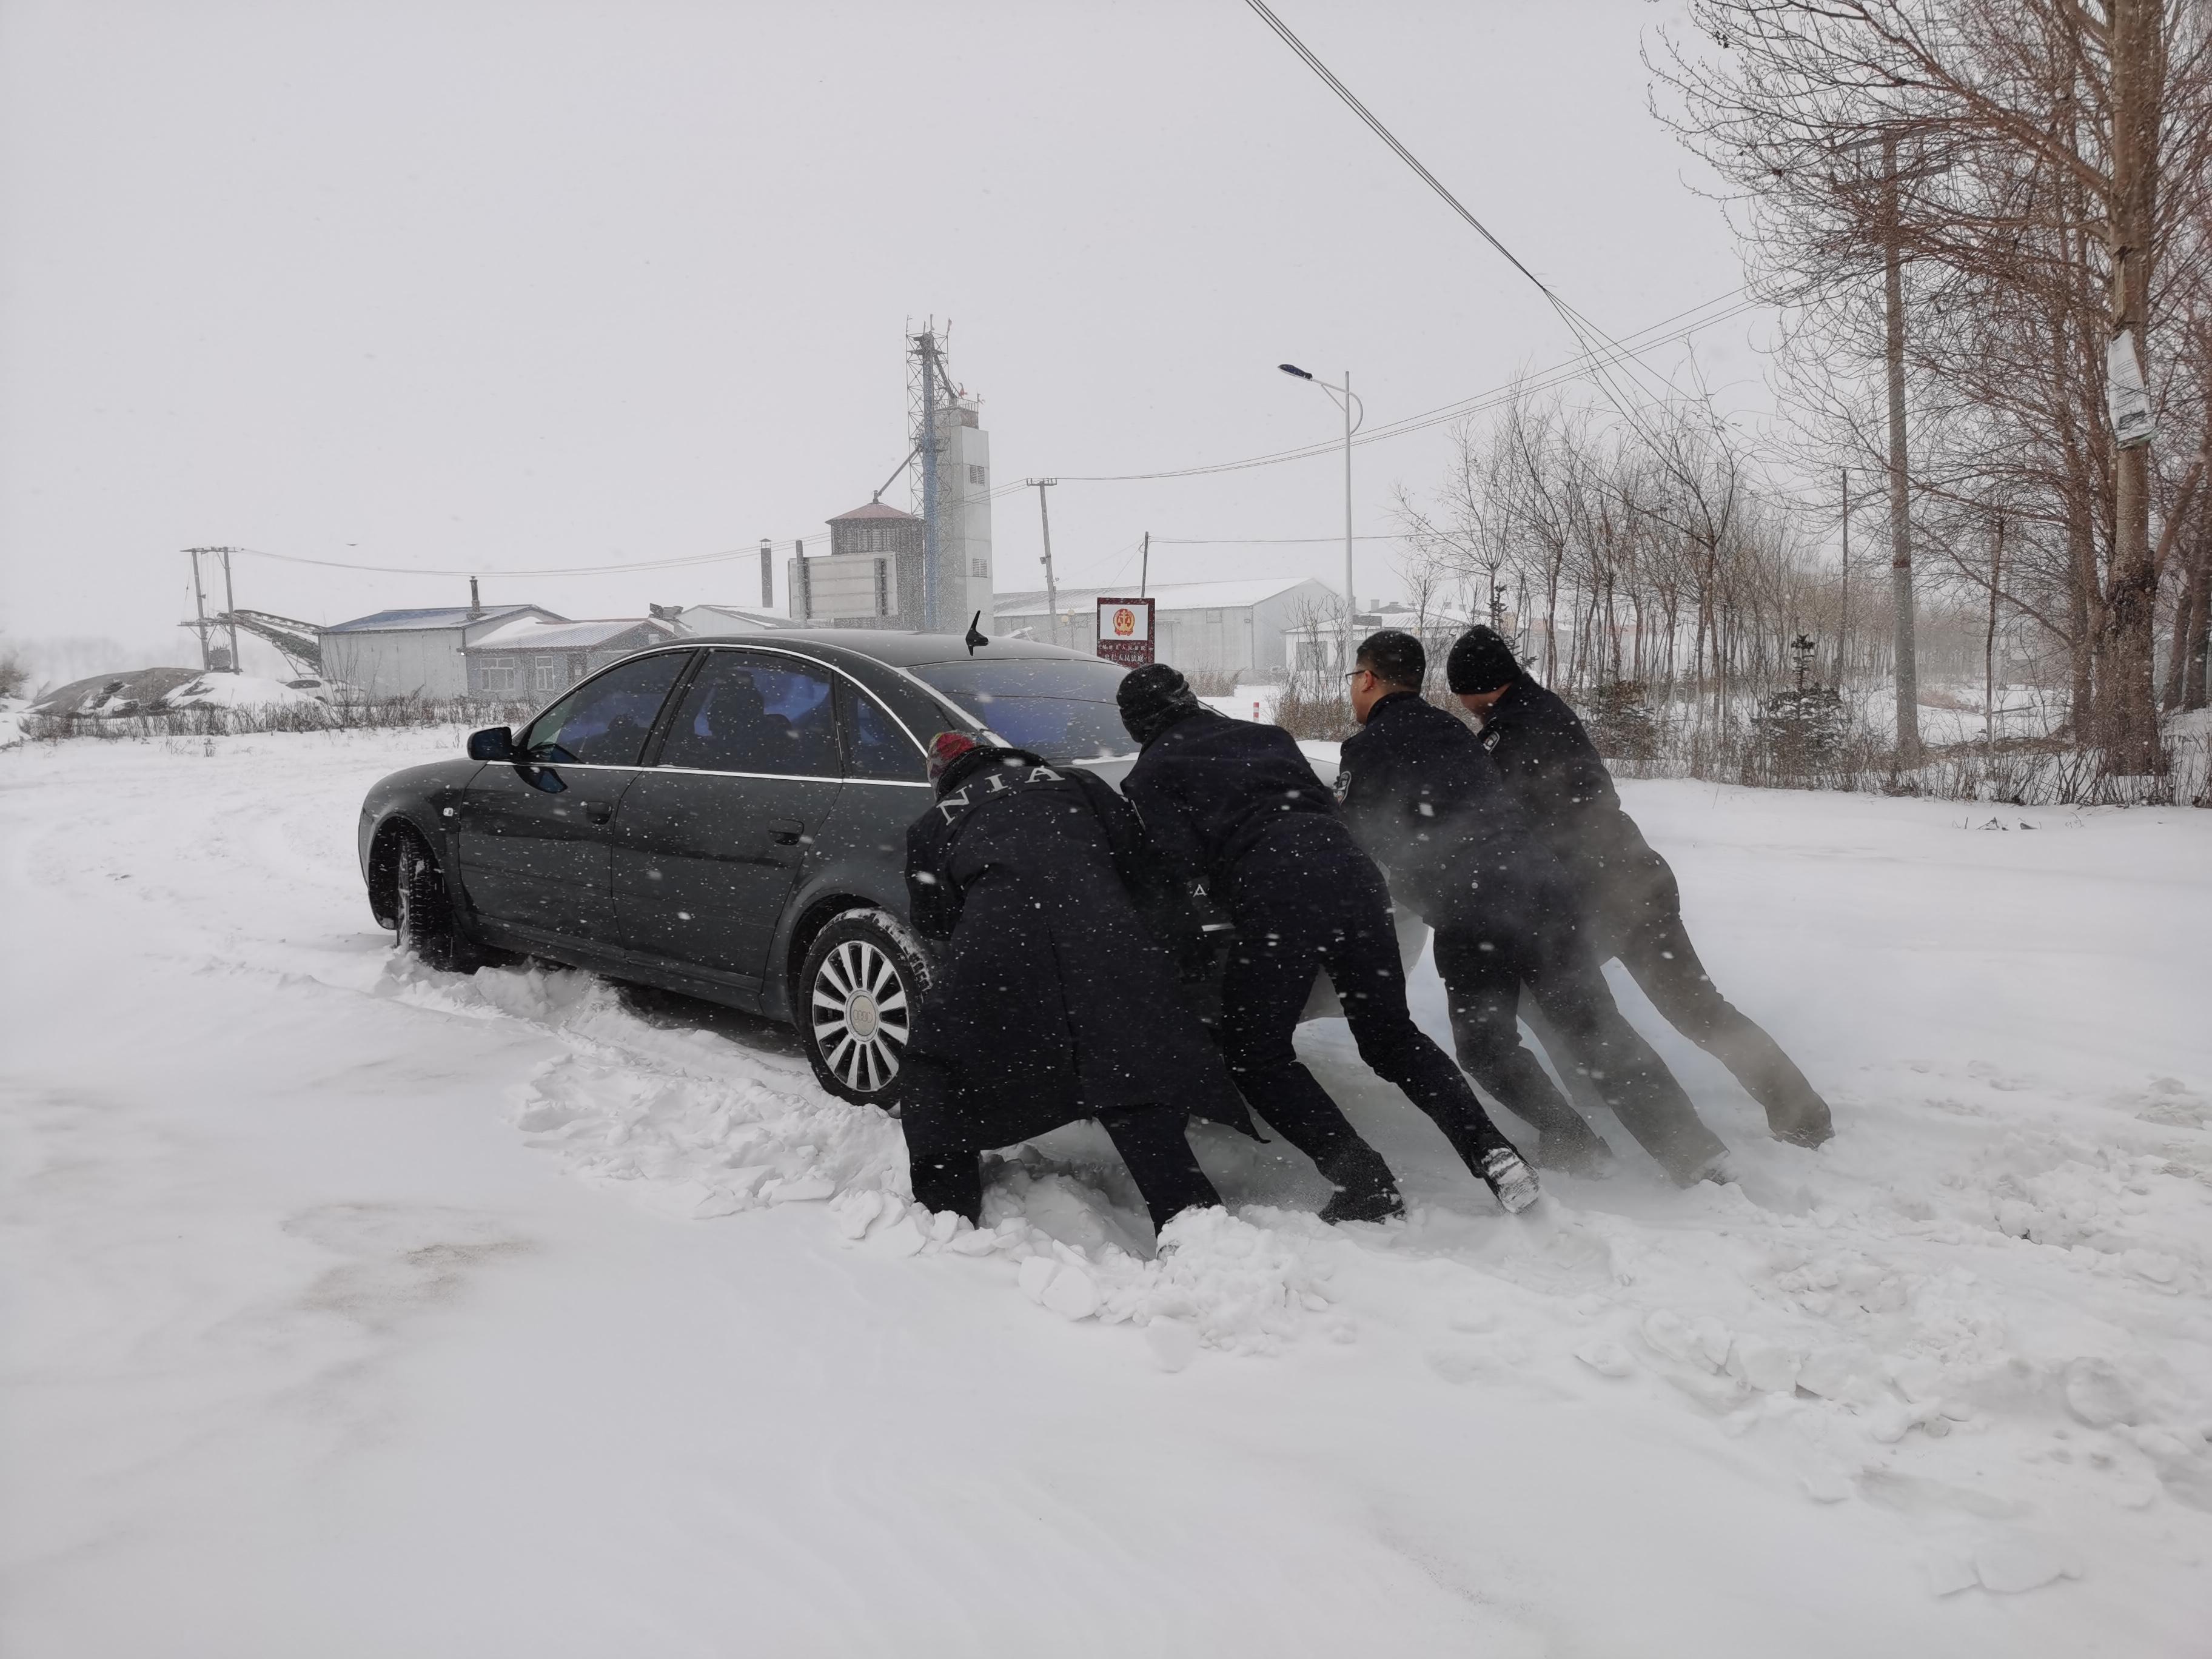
[494,742]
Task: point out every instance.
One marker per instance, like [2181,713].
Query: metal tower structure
[928,389]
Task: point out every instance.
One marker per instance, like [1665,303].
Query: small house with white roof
[414,653]
[1203,627]
[533,657]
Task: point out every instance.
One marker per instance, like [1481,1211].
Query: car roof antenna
[976,636]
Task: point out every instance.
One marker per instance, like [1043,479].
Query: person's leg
[1270,972]
[1655,949]
[1595,1042]
[1361,955]
[944,1162]
[1151,1142]
[1482,986]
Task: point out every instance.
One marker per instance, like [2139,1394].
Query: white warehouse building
[1205,628]
[414,653]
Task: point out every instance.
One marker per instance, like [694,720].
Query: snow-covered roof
[449,616]
[532,634]
[872,510]
[1170,596]
[730,619]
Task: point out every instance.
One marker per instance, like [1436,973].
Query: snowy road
[355,1310]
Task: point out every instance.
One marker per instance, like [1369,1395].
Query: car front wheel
[860,987]
[426,924]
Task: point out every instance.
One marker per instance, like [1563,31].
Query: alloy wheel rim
[861,1015]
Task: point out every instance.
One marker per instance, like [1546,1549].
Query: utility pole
[2130,711]
[1900,504]
[199,607]
[230,609]
[1051,590]
[1844,599]
[201,621]
[1892,226]
[925,347]
[1989,637]
[1145,570]
[768,574]
[1351,599]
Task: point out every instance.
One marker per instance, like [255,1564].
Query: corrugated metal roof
[873,510]
[1171,595]
[451,616]
[530,634]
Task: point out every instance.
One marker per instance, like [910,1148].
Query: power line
[1268,541]
[681,562]
[1605,351]
[1574,369]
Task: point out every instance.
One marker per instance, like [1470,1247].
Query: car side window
[605,721]
[875,744]
[755,714]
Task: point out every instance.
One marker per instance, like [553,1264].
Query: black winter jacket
[1055,1001]
[1209,787]
[1553,769]
[1427,804]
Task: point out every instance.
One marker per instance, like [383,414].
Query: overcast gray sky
[512,284]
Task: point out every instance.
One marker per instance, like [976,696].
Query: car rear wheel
[426,924]
[859,988]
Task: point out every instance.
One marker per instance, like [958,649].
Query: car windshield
[1060,707]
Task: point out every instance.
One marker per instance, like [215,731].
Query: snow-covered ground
[355,1310]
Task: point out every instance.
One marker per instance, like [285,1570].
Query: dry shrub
[359,714]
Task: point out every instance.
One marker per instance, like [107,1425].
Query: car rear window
[1060,707]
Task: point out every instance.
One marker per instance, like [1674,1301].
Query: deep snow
[316,1343]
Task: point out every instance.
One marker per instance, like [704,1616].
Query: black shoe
[1810,1130]
[1366,1189]
[1512,1180]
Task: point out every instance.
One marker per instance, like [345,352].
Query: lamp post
[1344,398]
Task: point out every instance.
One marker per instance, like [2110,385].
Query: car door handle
[785,832]
[598,812]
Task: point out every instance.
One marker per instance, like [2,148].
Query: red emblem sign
[1125,631]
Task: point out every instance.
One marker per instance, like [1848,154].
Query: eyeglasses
[1356,672]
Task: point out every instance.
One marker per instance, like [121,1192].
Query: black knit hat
[1151,699]
[1480,661]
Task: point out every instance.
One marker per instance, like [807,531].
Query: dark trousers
[1486,971]
[1305,899]
[1649,937]
[943,1150]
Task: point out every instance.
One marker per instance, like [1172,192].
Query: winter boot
[1366,1189]
[1809,1130]
[1512,1180]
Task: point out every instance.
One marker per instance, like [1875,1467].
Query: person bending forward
[1054,1002]
[1422,797]
[1627,890]
[1235,803]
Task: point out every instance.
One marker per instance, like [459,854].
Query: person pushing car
[1627,890]
[1055,1001]
[1235,803]
[1423,799]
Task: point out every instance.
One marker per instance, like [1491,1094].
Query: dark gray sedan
[724,818]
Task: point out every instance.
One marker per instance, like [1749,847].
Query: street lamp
[1344,402]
